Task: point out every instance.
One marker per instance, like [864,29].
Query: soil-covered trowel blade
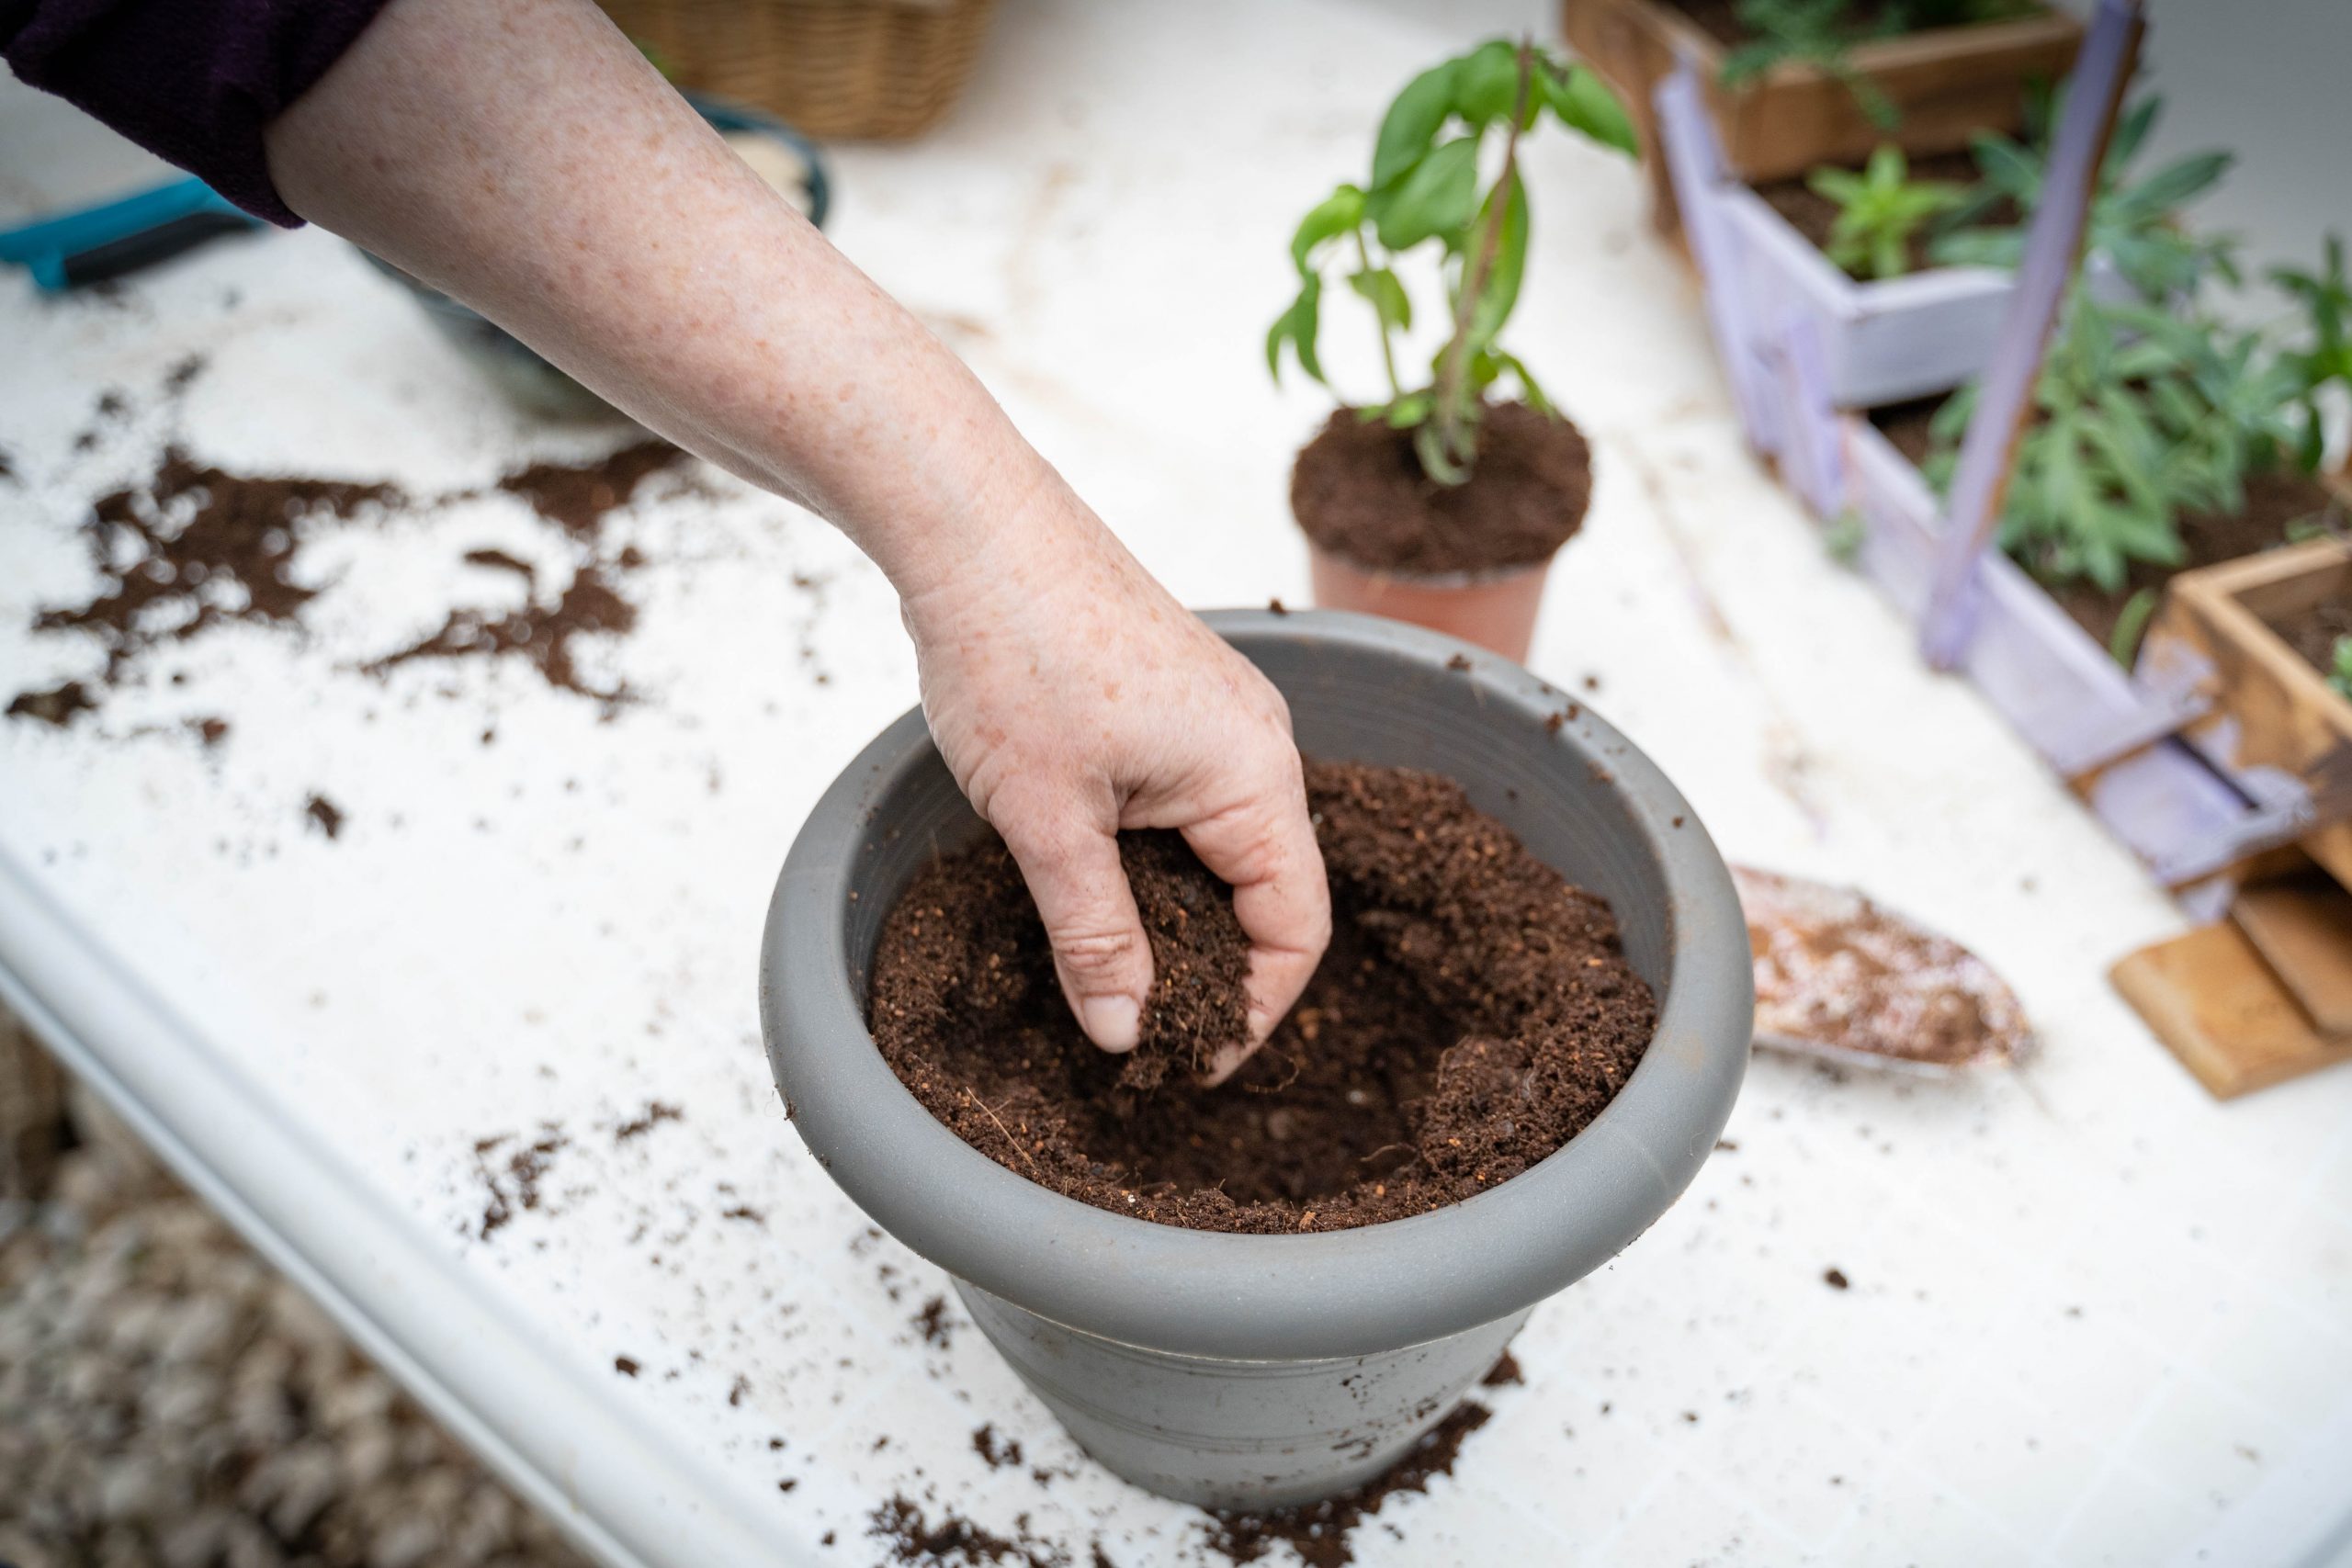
[1838,976]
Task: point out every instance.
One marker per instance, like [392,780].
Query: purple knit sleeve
[193,81]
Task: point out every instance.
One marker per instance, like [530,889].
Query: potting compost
[1358,491]
[1474,1013]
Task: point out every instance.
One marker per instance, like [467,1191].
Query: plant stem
[1452,414]
[1387,350]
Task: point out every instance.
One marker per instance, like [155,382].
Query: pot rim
[1230,1296]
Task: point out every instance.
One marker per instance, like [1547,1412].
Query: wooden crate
[2219,1007]
[1947,85]
[2269,713]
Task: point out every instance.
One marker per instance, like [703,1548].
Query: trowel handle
[120,236]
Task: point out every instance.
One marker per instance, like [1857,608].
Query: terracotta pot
[1495,610]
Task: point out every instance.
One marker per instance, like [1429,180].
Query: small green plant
[1819,33]
[1822,34]
[2135,223]
[1425,191]
[2340,670]
[2139,419]
[2324,359]
[1880,212]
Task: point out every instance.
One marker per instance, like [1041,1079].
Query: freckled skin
[524,158]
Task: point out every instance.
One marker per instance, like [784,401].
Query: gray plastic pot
[1246,1370]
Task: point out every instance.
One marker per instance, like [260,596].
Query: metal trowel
[1841,978]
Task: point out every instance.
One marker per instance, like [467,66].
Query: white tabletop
[2092,1316]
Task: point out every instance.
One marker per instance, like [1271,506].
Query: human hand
[1072,697]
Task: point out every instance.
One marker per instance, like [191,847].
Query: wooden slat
[2219,1007]
[2302,928]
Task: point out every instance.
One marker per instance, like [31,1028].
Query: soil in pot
[1474,1013]
[2275,500]
[1359,493]
[1814,215]
[2313,632]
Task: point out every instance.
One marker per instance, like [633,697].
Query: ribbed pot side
[1248,1371]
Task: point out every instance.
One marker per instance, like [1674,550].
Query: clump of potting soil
[1474,1013]
[1320,1532]
[57,707]
[545,631]
[197,547]
[1359,491]
[577,496]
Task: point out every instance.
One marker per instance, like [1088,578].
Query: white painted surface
[2093,1314]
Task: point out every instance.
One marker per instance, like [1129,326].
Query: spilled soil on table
[1360,492]
[195,546]
[1474,1013]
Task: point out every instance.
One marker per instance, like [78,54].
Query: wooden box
[1947,85]
[2269,711]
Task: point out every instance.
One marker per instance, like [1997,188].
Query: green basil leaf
[1436,196]
[1585,104]
[1335,215]
[1412,122]
[1389,301]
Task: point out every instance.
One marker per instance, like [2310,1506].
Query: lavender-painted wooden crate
[1877,343]
[1800,342]
[2115,733]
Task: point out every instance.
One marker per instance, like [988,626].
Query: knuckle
[1102,954]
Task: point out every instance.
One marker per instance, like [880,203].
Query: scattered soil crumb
[655,1113]
[1834,1278]
[999,1451]
[628,1366]
[503,562]
[909,1536]
[56,707]
[1474,1013]
[1504,1373]
[211,729]
[1318,1532]
[324,814]
[512,1185]
[938,1330]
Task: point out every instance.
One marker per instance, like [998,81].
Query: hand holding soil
[1072,697]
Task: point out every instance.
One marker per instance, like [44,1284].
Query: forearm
[525,159]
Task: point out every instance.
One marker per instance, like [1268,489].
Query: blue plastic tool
[96,243]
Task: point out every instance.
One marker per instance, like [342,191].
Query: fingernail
[1112,1022]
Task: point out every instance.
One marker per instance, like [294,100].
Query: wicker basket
[857,69]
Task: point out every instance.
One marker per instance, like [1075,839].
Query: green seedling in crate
[2325,359]
[1880,212]
[2135,224]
